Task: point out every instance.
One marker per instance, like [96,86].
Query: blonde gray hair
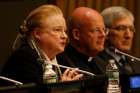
[35,18]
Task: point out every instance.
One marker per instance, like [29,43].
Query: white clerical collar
[90,59]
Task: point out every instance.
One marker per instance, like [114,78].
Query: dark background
[13,12]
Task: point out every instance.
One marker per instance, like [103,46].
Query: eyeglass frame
[123,28]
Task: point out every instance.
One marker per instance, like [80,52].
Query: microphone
[11,80]
[117,51]
[66,67]
[33,45]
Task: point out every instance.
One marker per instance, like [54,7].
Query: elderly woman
[42,37]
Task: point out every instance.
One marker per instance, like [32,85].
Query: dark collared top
[73,58]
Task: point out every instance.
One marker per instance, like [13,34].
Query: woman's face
[52,34]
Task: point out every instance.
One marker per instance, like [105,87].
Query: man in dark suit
[86,32]
[120,24]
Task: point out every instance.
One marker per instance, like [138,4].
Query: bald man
[86,33]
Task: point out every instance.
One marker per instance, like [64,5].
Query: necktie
[125,67]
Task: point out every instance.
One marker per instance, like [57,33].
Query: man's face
[52,36]
[121,34]
[92,35]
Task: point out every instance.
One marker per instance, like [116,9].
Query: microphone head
[116,51]
[125,54]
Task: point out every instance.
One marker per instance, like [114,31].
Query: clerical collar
[90,59]
[78,54]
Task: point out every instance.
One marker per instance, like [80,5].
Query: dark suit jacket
[72,58]
[104,58]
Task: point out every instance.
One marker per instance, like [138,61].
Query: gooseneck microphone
[119,52]
[66,67]
[11,80]
[33,45]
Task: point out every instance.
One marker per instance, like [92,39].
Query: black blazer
[23,66]
[72,58]
[104,58]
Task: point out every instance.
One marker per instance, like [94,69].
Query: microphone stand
[82,71]
[11,80]
[117,51]
[33,45]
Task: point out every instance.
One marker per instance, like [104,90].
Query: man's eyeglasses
[123,28]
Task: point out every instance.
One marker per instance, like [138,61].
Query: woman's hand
[70,75]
